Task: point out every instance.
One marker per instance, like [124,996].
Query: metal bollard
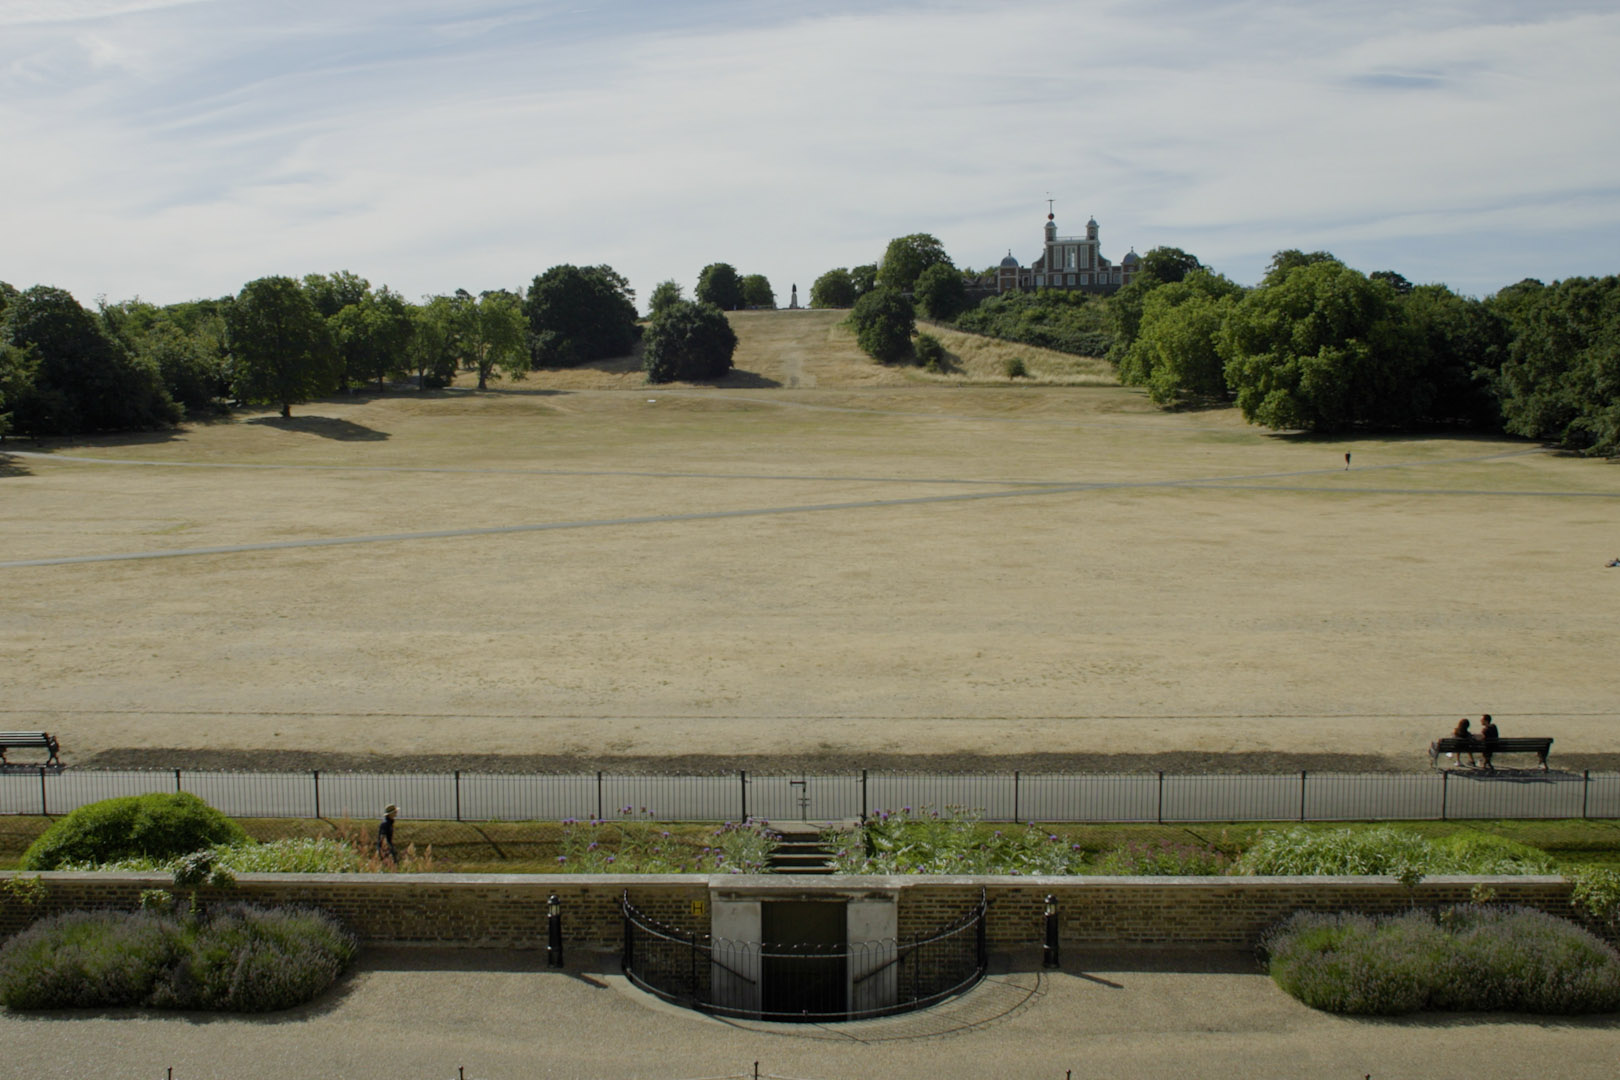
[1049,951]
[554,953]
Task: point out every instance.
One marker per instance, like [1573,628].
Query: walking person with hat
[385,834]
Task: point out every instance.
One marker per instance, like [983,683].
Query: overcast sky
[179,149]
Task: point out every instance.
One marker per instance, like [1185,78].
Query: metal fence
[812,981]
[1016,796]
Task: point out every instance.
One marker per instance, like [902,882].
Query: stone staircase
[801,850]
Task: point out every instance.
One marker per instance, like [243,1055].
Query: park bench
[1480,747]
[29,740]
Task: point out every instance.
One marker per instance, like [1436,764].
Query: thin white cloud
[181,152]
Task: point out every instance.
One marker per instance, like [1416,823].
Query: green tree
[1169,264]
[281,347]
[1462,344]
[434,350]
[720,285]
[1176,354]
[1286,262]
[757,292]
[1395,281]
[82,378]
[907,257]
[940,293]
[1323,349]
[1125,310]
[578,314]
[372,335]
[664,296]
[884,321]
[331,293]
[864,278]
[834,289]
[688,342]
[185,342]
[1561,378]
[493,333]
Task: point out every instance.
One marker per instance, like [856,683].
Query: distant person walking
[1487,731]
[1461,732]
[1347,461]
[385,833]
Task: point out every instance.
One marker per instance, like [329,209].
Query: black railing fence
[1015,796]
[810,981]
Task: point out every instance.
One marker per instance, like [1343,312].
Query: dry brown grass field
[819,560]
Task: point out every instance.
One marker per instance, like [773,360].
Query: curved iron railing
[804,982]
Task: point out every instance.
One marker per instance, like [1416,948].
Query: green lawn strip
[533,846]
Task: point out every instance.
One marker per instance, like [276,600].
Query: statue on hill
[793,304]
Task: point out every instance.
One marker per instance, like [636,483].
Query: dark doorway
[804,961]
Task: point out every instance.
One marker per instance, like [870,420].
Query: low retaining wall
[509,910]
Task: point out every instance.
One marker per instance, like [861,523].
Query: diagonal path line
[808,508]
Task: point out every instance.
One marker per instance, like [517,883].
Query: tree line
[1316,346]
[66,369]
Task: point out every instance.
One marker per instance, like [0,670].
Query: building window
[1040,279]
[1085,279]
[1071,279]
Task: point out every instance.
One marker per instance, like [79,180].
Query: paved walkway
[423,1014]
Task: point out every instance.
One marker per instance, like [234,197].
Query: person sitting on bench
[1461,732]
[1487,731]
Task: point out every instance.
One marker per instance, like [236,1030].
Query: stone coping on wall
[509,910]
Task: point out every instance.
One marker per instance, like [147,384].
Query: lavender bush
[1467,958]
[236,958]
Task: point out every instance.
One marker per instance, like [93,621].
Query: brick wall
[510,910]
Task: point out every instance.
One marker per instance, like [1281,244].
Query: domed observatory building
[1068,262]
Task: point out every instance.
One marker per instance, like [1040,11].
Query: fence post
[1586,792]
[598,794]
[863,795]
[742,785]
[1302,794]
[177,781]
[1016,815]
[1160,815]
[44,810]
[458,794]
[1445,789]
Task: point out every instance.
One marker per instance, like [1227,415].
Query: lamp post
[554,953]
[1049,951]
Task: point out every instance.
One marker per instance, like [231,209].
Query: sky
[176,149]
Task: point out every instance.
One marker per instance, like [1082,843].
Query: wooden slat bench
[1488,749]
[29,740]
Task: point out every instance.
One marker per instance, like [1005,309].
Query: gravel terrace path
[423,1014]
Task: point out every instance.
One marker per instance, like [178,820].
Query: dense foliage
[834,289]
[281,347]
[884,321]
[635,844]
[690,342]
[939,292]
[1071,322]
[235,958]
[62,372]
[1386,850]
[157,826]
[1175,354]
[720,284]
[1467,958]
[1561,379]
[907,257]
[579,314]
[757,292]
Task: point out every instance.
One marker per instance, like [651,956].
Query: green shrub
[236,959]
[1386,850]
[1016,368]
[636,844]
[930,353]
[1164,858]
[883,320]
[1468,958]
[1597,893]
[1070,322]
[158,826]
[952,841]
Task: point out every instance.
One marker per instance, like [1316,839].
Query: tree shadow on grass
[12,466]
[324,426]
[750,380]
